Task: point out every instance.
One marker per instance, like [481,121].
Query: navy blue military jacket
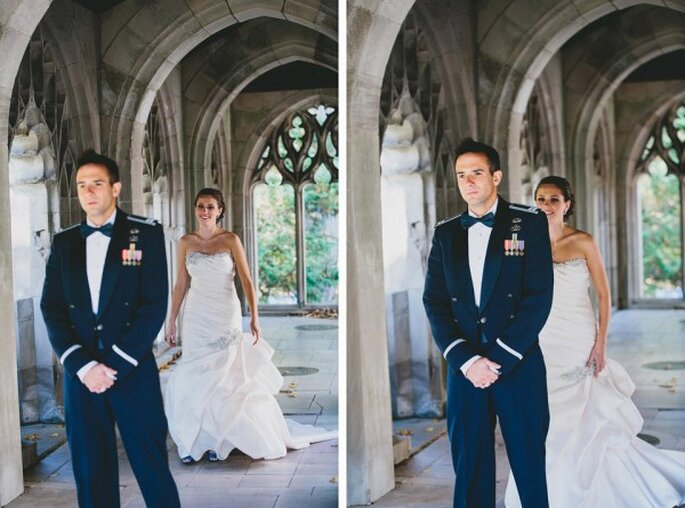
[516,294]
[133,296]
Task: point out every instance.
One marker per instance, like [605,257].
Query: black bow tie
[87,230]
[467,220]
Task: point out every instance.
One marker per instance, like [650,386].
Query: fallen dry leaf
[333,480]
[323,314]
[405,432]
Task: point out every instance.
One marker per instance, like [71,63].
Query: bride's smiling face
[207,210]
[550,199]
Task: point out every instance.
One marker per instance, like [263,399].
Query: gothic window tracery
[216,167]
[661,170]
[534,144]
[295,205]
[40,105]
[155,164]
[157,181]
[412,74]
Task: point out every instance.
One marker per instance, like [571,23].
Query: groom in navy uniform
[488,292]
[104,301]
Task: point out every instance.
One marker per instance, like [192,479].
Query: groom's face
[477,185]
[97,195]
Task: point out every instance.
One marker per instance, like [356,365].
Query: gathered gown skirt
[221,395]
[594,458]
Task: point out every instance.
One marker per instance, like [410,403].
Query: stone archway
[584,117]
[533,49]
[603,87]
[202,122]
[18,21]
[248,158]
[629,146]
[179,29]
[372,29]
[514,45]
[594,85]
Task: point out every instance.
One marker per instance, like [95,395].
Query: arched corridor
[183,95]
[587,90]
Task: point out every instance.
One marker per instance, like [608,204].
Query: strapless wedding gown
[594,457]
[221,395]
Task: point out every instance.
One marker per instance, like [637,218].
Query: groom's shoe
[212,457]
[188,460]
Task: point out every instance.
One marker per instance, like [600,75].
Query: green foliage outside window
[661,237]
[299,161]
[276,250]
[321,243]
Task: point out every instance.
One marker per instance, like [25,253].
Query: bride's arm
[240,261]
[179,292]
[601,285]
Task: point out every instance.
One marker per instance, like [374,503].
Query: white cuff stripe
[126,357]
[510,350]
[68,352]
[449,348]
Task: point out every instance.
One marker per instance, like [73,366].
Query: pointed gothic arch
[292,212]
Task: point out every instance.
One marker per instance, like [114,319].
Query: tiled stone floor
[305,477]
[636,337]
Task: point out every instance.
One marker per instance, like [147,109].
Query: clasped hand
[483,372]
[100,378]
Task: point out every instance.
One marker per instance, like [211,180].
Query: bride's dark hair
[212,193]
[564,186]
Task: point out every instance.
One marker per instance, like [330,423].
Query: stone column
[18,20]
[406,182]
[31,169]
[372,27]
[11,474]
[370,472]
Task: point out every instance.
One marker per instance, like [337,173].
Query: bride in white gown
[221,395]
[594,457]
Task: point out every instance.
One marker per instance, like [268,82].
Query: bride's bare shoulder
[188,238]
[580,241]
[229,239]
[573,235]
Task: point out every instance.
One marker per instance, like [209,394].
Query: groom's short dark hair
[90,156]
[469,145]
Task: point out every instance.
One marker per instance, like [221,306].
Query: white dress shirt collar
[493,210]
[111,220]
